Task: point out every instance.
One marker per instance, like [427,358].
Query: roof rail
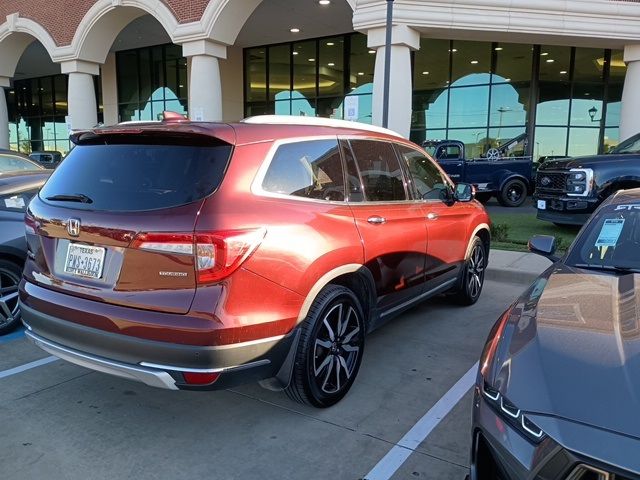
[316,121]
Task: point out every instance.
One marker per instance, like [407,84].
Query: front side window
[380,171]
[427,181]
[308,169]
[610,241]
[632,145]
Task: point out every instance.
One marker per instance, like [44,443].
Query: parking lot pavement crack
[418,451]
[369,435]
[54,385]
[291,410]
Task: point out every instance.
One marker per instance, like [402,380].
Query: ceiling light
[563,72]
[324,2]
[360,73]
[425,73]
[550,60]
[331,64]
[312,59]
[507,79]
[295,53]
[474,62]
[294,30]
[498,49]
[372,51]
[330,44]
[544,54]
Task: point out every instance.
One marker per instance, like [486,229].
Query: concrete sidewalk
[515,267]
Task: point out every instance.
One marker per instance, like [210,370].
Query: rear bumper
[158,364]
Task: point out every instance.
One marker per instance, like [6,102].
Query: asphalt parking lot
[65,422]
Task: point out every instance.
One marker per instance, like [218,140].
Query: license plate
[84,260]
[542,204]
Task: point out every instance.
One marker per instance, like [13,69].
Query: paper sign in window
[14,202]
[610,232]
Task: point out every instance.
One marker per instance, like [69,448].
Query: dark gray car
[16,190]
[558,391]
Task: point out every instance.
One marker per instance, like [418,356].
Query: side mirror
[465,192]
[544,245]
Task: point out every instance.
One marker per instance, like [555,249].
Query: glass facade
[327,77]
[556,100]
[37,108]
[482,94]
[150,81]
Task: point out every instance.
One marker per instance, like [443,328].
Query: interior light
[507,79]
[563,72]
[544,54]
[425,73]
[330,44]
[372,51]
[312,59]
[474,62]
[360,73]
[498,49]
[331,64]
[295,53]
[324,2]
[294,30]
[550,60]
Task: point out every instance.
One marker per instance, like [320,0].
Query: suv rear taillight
[217,254]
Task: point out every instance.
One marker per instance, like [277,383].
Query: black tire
[513,193]
[10,274]
[326,367]
[483,198]
[472,278]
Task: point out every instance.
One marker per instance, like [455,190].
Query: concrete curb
[510,275]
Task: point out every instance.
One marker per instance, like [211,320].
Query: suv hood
[584,162]
[571,349]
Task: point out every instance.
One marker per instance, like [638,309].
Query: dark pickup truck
[569,190]
[497,173]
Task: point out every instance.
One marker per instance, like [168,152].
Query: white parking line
[27,366]
[393,460]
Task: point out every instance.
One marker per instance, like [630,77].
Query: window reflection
[471,63]
[469,106]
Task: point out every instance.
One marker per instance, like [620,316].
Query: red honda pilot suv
[198,256]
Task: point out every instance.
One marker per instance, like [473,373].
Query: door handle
[432,216]
[376,220]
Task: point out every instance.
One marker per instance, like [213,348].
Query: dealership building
[563,76]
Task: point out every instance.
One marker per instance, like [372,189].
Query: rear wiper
[78,197]
[611,268]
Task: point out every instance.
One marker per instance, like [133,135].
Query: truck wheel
[10,274]
[513,193]
[330,348]
[483,198]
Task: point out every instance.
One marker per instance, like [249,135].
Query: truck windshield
[610,241]
[630,145]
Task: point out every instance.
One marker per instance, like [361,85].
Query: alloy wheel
[9,308]
[475,270]
[337,348]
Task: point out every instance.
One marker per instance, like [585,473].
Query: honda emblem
[73,227]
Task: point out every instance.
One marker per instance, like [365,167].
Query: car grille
[551,181]
[586,472]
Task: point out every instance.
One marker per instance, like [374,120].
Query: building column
[81,97]
[4,115]
[110,90]
[403,40]
[205,85]
[629,118]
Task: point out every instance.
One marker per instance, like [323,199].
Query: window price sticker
[14,202]
[610,232]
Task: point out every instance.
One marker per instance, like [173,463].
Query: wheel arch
[483,231]
[354,276]
[514,176]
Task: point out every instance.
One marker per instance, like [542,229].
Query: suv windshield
[135,177]
[611,240]
[630,145]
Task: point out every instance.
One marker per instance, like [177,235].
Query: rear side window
[136,177]
[379,170]
[308,169]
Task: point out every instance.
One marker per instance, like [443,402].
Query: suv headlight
[579,182]
[512,414]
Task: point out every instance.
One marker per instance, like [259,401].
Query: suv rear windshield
[610,241]
[132,177]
